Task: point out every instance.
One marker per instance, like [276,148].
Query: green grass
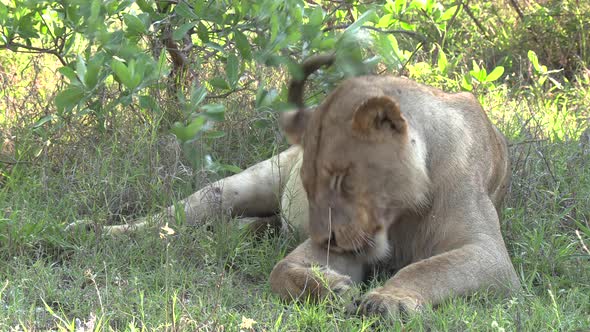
[212,277]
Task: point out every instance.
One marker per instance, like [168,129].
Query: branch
[178,58]
[32,49]
[224,95]
[520,14]
[514,5]
[450,23]
[412,34]
[477,23]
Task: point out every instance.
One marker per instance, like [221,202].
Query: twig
[224,95]
[411,56]
[528,141]
[450,23]
[412,34]
[477,23]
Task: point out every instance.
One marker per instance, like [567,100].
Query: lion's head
[363,164]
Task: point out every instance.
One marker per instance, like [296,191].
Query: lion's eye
[346,184]
[339,183]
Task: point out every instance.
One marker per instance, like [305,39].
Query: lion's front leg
[460,271]
[310,271]
[471,258]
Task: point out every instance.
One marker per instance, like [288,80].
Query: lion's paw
[388,303]
[297,280]
[336,283]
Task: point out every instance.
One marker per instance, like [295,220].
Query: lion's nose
[331,241]
[327,240]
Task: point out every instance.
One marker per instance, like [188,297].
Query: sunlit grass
[213,278]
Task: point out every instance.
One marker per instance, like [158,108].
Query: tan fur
[402,175]
[388,172]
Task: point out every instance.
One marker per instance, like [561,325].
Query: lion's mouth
[370,248]
[375,252]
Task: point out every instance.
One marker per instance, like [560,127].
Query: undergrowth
[215,278]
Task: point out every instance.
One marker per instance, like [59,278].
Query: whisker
[329,235]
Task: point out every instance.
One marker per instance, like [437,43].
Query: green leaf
[215,112]
[181,31]
[134,25]
[274,28]
[197,95]
[534,60]
[243,45]
[232,70]
[202,32]
[260,95]
[146,5]
[81,68]
[185,11]
[69,43]
[475,66]
[219,83]
[360,21]
[122,5]
[327,43]
[400,5]
[442,61]
[216,47]
[466,84]
[385,21]
[185,133]
[68,98]
[479,75]
[92,71]
[495,74]
[70,74]
[137,69]
[123,74]
[265,98]
[317,16]
[148,103]
[43,120]
[163,68]
[448,14]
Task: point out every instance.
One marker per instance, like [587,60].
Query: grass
[215,278]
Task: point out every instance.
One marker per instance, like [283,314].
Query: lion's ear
[378,116]
[293,124]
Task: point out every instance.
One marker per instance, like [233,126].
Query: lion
[385,171]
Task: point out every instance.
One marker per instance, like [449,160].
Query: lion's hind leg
[253,193]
